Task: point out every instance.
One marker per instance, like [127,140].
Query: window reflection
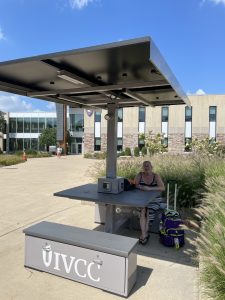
[26,124]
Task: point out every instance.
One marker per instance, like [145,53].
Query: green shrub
[127,151]
[88,155]
[144,151]
[154,142]
[8,160]
[96,155]
[31,152]
[136,152]
[207,146]
[221,149]
[1,152]
[122,153]
[99,155]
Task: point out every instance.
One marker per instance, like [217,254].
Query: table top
[89,192]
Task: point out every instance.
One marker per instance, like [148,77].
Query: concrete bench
[99,259]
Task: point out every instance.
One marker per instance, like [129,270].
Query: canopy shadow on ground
[186,255]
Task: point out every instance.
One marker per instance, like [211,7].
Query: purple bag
[170,232]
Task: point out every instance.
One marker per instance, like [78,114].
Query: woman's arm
[137,180]
[160,183]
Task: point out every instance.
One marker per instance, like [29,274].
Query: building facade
[179,124]
[88,129]
[22,130]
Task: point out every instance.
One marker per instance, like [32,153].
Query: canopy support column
[111,141]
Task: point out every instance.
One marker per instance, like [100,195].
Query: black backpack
[127,185]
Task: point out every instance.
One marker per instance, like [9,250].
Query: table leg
[110,218]
[113,223]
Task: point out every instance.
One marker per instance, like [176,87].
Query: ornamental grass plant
[14,159]
[8,160]
[212,239]
[201,185]
[188,171]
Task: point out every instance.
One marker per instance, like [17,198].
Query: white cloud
[15,103]
[51,106]
[2,36]
[216,2]
[199,92]
[79,3]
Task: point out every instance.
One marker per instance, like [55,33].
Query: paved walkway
[26,195]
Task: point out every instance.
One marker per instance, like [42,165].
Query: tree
[48,137]
[2,121]
[154,142]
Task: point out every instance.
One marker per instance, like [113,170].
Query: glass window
[19,124]
[141,143]
[97,116]
[34,144]
[119,144]
[78,140]
[41,124]
[12,125]
[97,146]
[72,122]
[4,127]
[19,144]
[188,114]
[12,144]
[34,125]
[165,112]
[165,141]
[79,122]
[141,114]
[120,115]
[26,124]
[49,123]
[54,120]
[26,144]
[212,114]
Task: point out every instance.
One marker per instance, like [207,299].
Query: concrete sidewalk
[26,193]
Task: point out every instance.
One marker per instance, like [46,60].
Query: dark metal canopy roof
[130,73]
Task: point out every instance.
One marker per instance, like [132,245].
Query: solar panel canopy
[128,73]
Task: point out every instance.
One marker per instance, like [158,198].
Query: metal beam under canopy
[128,73]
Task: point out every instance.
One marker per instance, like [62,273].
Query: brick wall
[103,142]
[220,137]
[176,143]
[130,140]
[88,142]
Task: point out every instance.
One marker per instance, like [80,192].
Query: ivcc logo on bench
[70,263]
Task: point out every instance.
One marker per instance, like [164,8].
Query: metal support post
[111,141]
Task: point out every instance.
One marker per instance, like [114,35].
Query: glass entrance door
[73,148]
[78,148]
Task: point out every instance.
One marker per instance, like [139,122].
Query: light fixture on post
[69,77]
[108,117]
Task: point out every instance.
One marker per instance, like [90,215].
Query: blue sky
[190,34]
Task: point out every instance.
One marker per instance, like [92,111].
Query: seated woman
[147,181]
